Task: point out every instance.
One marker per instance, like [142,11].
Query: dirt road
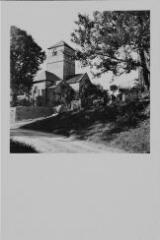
[50,143]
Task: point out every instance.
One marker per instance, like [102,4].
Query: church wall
[56,68]
[55,60]
[37,88]
[69,51]
[69,69]
[50,53]
[60,61]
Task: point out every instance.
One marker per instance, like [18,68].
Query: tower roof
[61,43]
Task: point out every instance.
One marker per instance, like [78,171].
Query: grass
[136,140]
[124,126]
[17,147]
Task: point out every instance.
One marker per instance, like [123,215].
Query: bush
[23,102]
[39,101]
[17,147]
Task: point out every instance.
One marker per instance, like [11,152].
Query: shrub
[23,102]
[17,147]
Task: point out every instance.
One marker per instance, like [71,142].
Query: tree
[89,91]
[103,39]
[25,59]
[64,92]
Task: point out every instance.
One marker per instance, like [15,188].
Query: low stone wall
[30,112]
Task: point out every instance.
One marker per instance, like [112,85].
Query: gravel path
[50,143]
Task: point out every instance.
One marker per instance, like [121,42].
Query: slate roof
[77,78]
[46,76]
[61,43]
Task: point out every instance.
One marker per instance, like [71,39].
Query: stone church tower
[60,60]
[59,82]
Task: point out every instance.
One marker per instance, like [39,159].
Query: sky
[51,22]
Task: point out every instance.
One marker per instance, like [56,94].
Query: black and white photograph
[79,83]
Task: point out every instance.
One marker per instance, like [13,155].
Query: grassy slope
[125,126]
[135,140]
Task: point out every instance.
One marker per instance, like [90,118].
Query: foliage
[19,147]
[40,101]
[25,59]
[23,102]
[65,94]
[103,39]
[88,92]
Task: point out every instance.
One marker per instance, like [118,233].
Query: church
[58,83]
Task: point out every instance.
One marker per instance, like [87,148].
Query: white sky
[51,22]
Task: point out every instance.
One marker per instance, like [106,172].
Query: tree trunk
[14,99]
[146,77]
[145,70]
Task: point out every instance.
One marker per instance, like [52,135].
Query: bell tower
[60,60]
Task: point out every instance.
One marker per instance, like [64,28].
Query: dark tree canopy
[102,39]
[64,92]
[89,91]
[25,59]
